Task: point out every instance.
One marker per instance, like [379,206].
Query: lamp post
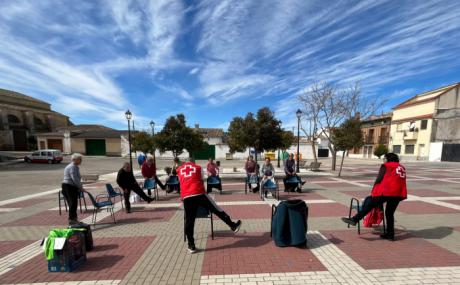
[152,125]
[128,117]
[298,114]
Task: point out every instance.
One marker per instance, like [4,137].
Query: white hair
[149,156]
[76,156]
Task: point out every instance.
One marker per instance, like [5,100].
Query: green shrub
[380,150]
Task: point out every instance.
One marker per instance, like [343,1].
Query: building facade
[425,118]
[22,117]
[376,131]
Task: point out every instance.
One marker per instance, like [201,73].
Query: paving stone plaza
[147,246]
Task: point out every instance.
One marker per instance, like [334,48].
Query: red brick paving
[142,215]
[46,218]
[327,210]
[455,202]
[248,211]
[433,182]
[420,208]
[237,197]
[27,203]
[332,185]
[251,253]
[7,247]
[430,193]
[371,252]
[304,196]
[111,259]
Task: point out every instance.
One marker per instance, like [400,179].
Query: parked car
[44,155]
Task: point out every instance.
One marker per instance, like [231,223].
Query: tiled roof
[211,132]
[427,96]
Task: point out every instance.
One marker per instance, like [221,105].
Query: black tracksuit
[127,182]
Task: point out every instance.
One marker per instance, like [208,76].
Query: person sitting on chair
[212,170]
[193,196]
[289,171]
[72,186]
[127,182]
[251,171]
[171,174]
[149,171]
[267,172]
[390,187]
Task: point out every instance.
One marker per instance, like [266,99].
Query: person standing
[127,182]
[149,171]
[193,196]
[389,187]
[212,170]
[72,186]
[251,173]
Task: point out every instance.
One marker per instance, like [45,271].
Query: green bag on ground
[57,233]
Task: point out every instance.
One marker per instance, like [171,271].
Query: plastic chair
[213,181]
[252,179]
[150,184]
[62,198]
[271,186]
[172,183]
[294,182]
[114,194]
[202,213]
[358,207]
[104,204]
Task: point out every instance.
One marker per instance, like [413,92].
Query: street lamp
[128,116]
[298,114]
[152,125]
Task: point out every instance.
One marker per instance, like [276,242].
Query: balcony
[411,135]
[383,139]
[368,139]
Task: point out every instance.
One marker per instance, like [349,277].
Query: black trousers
[374,202]
[217,186]
[136,189]
[191,205]
[70,194]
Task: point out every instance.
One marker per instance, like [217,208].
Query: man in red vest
[389,187]
[194,196]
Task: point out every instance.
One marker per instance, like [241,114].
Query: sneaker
[236,227]
[150,200]
[349,221]
[192,248]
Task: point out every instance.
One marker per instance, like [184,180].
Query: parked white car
[44,155]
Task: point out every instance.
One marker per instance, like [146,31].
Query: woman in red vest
[389,187]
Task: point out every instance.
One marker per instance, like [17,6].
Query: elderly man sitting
[127,182]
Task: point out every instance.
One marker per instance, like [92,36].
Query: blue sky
[214,60]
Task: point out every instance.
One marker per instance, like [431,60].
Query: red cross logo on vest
[401,171]
[187,171]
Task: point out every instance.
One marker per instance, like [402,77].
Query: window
[412,127]
[43,153]
[409,149]
[12,119]
[397,148]
[423,124]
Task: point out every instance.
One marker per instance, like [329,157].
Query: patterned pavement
[147,246]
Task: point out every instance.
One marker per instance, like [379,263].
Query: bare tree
[326,107]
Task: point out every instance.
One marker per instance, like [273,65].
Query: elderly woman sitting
[267,172]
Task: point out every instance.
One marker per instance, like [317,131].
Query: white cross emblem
[401,171]
[188,170]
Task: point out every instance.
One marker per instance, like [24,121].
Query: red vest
[393,183]
[190,179]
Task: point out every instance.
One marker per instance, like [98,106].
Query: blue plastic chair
[62,198]
[252,179]
[99,204]
[150,184]
[114,194]
[213,181]
[293,181]
[172,183]
[271,186]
